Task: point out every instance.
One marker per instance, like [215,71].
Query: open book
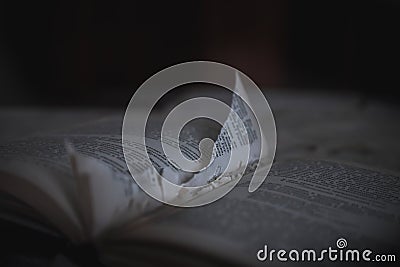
[75,184]
[303,203]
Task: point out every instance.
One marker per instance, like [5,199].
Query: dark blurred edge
[97,52]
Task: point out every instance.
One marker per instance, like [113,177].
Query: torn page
[227,161]
[241,138]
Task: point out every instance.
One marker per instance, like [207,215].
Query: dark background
[95,53]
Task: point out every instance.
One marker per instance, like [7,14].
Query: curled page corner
[245,139]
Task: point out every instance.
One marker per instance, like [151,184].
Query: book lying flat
[75,184]
[84,193]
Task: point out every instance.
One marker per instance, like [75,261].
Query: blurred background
[95,53]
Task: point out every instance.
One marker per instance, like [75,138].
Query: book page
[302,204]
[102,188]
[85,174]
[107,193]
